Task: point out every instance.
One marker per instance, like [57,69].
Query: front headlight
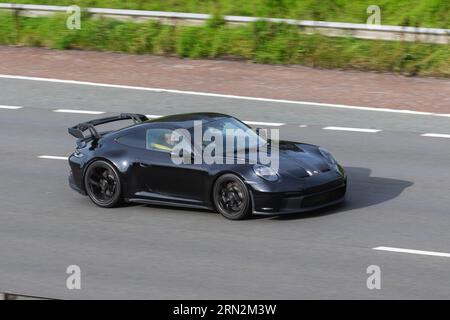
[327,155]
[265,172]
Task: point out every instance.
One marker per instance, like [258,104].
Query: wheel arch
[91,161]
[239,175]
[99,158]
[120,196]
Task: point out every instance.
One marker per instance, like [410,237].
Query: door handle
[144,165]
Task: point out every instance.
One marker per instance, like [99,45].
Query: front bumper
[300,201]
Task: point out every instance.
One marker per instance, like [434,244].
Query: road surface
[399,186]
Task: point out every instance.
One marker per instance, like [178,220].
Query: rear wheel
[102,184]
[231,197]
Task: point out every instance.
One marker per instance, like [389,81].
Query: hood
[300,160]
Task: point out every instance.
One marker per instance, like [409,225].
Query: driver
[165,142]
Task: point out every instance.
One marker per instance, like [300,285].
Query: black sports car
[136,164]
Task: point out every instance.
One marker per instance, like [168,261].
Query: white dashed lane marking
[11,107]
[249,122]
[412,251]
[78,111]
[269,124]
[436,135]
[52,157]
[352,129]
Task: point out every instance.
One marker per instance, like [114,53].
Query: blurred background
[258,41]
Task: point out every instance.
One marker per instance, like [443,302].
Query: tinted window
[160,139]
[136,140]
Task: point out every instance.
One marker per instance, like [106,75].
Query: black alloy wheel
[231,197]
[102,184]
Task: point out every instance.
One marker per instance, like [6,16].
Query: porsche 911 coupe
[136,164]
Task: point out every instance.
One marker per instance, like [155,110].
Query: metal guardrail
[336,29]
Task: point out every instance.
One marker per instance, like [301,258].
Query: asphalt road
[398,197]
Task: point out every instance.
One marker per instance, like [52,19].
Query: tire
[102,184]
[231,197]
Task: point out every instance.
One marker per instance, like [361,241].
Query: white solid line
[10,107]
[352,129]
[209,94]
[52,157]
[270,124]
[442,115]
[78,111]
[401,250]
[153,116]
[436,135]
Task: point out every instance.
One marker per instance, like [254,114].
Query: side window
[136,139]
[160,139]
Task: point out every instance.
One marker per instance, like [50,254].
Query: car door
[166,180]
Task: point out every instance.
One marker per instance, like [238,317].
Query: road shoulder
[233,78]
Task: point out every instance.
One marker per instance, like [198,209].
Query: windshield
[233,134]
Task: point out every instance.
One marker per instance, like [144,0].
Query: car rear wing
[77,131]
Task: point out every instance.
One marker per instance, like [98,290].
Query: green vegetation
[260,42]
[425,13]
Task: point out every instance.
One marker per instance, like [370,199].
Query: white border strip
[11,107]
[217,95]
[78,111]
[421,252]
[352,129]
[52,157]
[436,135]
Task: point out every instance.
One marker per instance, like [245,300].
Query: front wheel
[231,197]
[102,184]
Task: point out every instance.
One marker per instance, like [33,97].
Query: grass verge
[260,42]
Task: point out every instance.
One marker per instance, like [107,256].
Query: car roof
[186,120]
[176,121]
